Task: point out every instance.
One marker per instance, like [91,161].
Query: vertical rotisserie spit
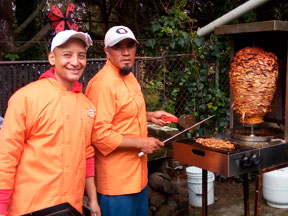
[253,75]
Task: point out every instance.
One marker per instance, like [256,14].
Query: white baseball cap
[116,34]
[63,36]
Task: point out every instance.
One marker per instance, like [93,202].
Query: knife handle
[169,118]
[163,118]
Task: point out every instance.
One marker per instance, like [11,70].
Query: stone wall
[168,190]
[168,193]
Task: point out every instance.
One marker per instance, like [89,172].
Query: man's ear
[106,50]
[51,58]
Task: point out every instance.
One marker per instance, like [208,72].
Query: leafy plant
[11,56]
[195,84]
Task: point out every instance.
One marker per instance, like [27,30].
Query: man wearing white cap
[121,129]
[45,139]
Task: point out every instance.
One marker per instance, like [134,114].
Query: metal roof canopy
[265,26]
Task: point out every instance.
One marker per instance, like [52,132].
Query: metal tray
[260,134]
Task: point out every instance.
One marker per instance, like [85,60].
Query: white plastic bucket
[194,180]
[275,188]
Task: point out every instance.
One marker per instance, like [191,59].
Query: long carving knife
[187,129]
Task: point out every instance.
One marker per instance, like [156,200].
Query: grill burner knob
[245,162]
[251,161]
[256,160]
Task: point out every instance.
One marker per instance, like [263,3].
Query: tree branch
[36,39]
[30,18]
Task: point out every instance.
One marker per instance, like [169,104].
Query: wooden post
[204,193]
[258,193]
[246,194]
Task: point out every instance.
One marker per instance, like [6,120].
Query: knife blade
[187,129]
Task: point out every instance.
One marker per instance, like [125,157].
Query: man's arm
[12,136]
[4,200]
[92,196]
[107,140]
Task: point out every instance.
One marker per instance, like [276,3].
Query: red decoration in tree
[59,22]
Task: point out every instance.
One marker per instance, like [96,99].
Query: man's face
[122,54]
[69,60]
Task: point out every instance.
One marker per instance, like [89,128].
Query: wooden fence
[16,74]
[148,70]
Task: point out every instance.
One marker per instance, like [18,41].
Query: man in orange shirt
[45,139]
[121,129]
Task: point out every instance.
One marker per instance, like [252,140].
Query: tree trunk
[6,23]
[104,15]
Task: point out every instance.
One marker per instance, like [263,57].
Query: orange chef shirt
[44,142]
[120,111]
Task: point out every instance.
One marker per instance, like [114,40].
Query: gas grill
[258,147]
[245,158]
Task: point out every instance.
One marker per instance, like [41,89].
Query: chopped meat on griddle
[215,143]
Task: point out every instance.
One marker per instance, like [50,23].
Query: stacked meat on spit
[253,75]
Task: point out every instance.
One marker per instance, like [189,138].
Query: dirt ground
[229,201]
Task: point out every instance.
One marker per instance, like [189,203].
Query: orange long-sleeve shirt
[120,111]
[44,142]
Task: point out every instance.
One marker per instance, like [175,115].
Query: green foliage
[152,97]
[37,52]
[172,26]
[11,57]
[194,85]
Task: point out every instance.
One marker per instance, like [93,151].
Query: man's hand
[155,117]
[150,145]
[92,196]
[93,205]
